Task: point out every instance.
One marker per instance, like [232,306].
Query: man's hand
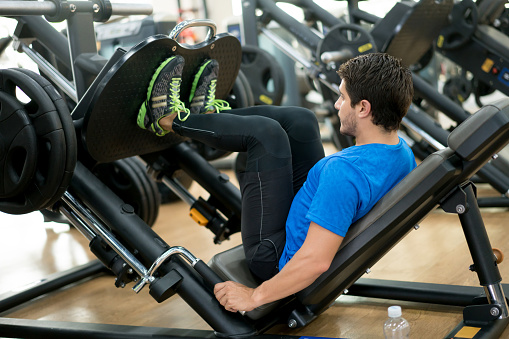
[311,260]
[234,296]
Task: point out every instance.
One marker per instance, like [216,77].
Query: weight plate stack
[129,180]
[52,147]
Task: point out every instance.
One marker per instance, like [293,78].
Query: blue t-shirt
[342,188]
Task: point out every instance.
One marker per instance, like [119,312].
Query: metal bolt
[174,48]
[416,227]
[494,311]
[292,323]
[345,291]
[212,46]
[368,271]
[96,8]
[72,7]
[223,178]
[130,271]
[494,156]
[460,209]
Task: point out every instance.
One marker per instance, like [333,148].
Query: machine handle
[336,56]
[194,23]
[207,273]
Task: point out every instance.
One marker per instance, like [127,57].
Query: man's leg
[266,184]
[301,126]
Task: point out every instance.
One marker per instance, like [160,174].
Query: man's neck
[376,135]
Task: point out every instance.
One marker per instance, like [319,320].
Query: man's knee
[304,125]
[272,136]
[263,259]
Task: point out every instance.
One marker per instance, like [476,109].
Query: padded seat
[471,145]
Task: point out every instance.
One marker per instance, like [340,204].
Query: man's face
[346,112]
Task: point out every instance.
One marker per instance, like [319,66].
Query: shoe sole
[143,109]
[197,79]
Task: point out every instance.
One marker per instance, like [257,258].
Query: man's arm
[308,263]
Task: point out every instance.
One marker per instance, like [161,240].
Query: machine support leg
[482,254]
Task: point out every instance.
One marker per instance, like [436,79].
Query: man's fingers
[222,299]
[218,287]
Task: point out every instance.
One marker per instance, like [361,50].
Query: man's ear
[364,109]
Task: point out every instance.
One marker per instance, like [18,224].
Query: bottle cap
[394,311]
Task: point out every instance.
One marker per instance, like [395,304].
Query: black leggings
[282,144]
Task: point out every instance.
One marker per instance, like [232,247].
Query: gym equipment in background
[135,253]
[265,75]
[396,33]
[478,47]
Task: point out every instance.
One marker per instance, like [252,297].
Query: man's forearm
[310,261]
[299,273]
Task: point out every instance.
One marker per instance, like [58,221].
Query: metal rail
[18,8]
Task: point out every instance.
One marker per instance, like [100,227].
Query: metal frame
[98,213]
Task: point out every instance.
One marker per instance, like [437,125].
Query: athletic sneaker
[163,96]
[202,97]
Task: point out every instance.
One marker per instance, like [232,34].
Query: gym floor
[435,253]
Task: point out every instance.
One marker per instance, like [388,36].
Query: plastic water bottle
[396,327]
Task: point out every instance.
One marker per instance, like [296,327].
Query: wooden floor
[435,253]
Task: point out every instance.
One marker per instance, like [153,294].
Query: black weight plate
[123,177]
[463,23]
[346,38]
[261,68]
[457,88]
[67,127]
[240,96]
[18,147]
[247,89]
[151,190]
[51,144]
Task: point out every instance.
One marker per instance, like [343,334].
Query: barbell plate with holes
[68,129]
[462,25]
[51,141]
[261,68]
[351,39]
[18,147]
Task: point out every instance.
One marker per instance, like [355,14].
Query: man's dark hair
[382,80]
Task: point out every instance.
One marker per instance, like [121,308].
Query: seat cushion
[231,265]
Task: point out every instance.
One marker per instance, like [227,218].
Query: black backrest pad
[471,145]
[110,131]
[475,135]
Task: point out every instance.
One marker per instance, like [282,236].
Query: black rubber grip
[207,273]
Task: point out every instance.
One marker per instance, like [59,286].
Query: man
[293,225]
